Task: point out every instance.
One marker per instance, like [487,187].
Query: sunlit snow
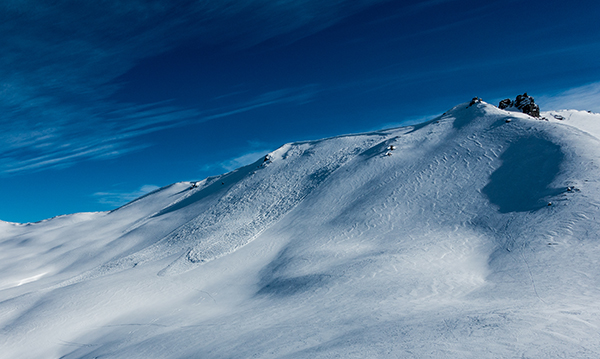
[473,235]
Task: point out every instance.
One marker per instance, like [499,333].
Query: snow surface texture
[474,235]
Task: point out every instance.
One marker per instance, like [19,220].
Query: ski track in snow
[434,240]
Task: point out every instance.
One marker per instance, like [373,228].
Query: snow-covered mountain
[474,235]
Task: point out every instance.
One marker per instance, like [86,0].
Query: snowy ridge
[474,235]
[582,120]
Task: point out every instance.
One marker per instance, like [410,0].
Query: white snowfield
[474,235]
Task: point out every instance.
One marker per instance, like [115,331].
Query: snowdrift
[474,235]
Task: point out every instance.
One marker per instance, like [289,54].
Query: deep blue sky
[103,101]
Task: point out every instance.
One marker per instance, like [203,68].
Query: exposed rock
[474,101]
[505,104]
[527,105]
[523,103]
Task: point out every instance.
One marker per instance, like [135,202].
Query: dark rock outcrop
[474,101]
[524,103]
[505,104]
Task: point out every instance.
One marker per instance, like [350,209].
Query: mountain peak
[334,248]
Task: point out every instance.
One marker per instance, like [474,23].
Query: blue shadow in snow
[276,282]
[283,287]
[523,180]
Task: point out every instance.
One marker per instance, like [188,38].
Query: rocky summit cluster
[524,103]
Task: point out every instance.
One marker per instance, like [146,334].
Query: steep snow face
[471,235]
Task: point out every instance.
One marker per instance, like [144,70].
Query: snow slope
[474,235]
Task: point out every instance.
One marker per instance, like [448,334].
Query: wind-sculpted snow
[259,195]
[473,235]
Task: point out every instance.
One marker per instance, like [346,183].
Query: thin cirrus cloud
[118,198]
[60,60]
[300,95]
[585,97]
[112,133]
[255,150]
[67,135]
[236,162]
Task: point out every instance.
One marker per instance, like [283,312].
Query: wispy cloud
[254,152]
[405,121]
[585,97]
[413,9]
[119,198]
[99,132]
[57,135]
[296,96]
[60,59]
[243,160]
